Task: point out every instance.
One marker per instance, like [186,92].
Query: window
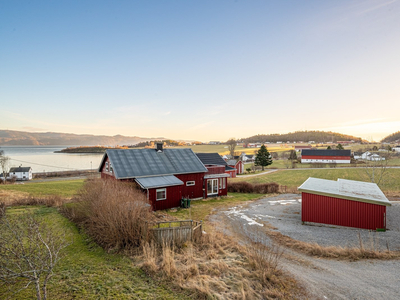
[106,166]
[190,183]
[212,187]
[223,183]
[161,194]
[220,183]
[111,168]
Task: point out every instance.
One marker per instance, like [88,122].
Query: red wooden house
[237,164]
[165,175]
[209,159]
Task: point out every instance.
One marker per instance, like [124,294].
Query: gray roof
[325,152]
[211,159]
[158,181]
[134,163]
[20,169]
[232,162]
[346,189]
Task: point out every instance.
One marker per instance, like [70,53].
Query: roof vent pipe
[159,147]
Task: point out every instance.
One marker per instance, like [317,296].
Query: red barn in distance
[325,156]
[166,175]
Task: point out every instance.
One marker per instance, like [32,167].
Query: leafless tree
[4,160]
[29,250]
[376,169]
[231,146]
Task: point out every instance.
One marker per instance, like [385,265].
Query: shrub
[50,201]
[246,187]
[114,213]
[240,187]
[2,209]
[266,188]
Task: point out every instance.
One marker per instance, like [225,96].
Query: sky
[200,70]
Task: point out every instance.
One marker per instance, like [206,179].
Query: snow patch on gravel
[239,213]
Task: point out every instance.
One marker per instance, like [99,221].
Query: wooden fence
[176,232]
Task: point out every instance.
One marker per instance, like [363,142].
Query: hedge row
[246,187]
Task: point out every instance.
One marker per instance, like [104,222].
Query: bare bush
[29,251]
[246,187]
[114,213]
[2,209]
[49,201]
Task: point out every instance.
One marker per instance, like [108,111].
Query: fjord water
[44,158]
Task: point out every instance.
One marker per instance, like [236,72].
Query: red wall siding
[215,169]
[195,191]
[239,167]
[342,212]
[325,157]
[174,197]
[232,173]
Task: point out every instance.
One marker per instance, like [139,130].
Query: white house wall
[326,161]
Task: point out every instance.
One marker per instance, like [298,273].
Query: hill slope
[391,138]
[11,137]
[304,136]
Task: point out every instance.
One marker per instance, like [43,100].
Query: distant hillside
[304,136]
[392,138]
[21,138]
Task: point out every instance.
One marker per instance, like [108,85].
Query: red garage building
[344,203]
[165,175]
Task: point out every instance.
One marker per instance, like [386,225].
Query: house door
[212,187]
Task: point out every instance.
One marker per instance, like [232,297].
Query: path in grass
[294,178]
[88,272]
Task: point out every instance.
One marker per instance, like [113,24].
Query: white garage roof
[346,189]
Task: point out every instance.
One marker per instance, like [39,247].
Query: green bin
[185,203]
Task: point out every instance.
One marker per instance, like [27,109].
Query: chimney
[159,147]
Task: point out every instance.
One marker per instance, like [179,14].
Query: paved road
[323,278]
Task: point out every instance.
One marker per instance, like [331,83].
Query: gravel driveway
[324,278]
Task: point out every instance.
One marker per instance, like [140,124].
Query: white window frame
[223,183]
[106,166]
[161,190]
[214,182]
[190,183]
[110,167]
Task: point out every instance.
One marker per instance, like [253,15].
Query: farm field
[88,272]
[223,149]
[294,178]
[281,164]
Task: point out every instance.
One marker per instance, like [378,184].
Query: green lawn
[88,272]
[295,178]
[65,188]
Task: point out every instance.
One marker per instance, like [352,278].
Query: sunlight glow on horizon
[200,70]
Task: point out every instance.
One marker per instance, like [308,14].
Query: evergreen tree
[263,158]
[339,147]
[329,148]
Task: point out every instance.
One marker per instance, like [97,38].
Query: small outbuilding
[344,203]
